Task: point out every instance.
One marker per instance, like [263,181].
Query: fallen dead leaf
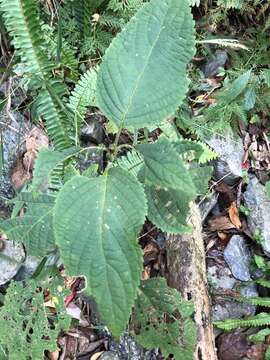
[220,223]
[256,352]
[19,175]
[96,355]
[35,140]
[232,346]
[146,273]
[53,355]
[234,215]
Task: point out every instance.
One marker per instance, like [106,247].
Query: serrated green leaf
[168,209]
[96,224]
[45,163]
[201,176]
[159,39]
[25,330]
[234,89]
[163,319]
[35,228]
[201,151]
[266,75]
[164,167]
[249,99]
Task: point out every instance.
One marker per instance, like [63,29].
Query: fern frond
[263,282]
[82,97]
[257,320]
[49,109]
[23,24]
[131,162]
[82,15]
[258,301]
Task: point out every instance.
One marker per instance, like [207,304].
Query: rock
[207,204]
[129,349]
[258,202]
[231,152]
[238,257]
[109,355]
[230,309]
[12,135]
[249,290]
[14,87]
[160,240]
[11,257]
[28,268]
[220,277]
[217,61]
[92,132]
[232,346]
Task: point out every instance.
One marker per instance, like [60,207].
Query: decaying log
[187,273]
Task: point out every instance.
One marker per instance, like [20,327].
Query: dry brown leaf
[53,355]
[256,352]
[36,139]
[146,272]
[19,175]
[234,215]
[220,223]
[96,355]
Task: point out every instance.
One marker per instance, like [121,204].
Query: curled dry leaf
[53,355]
[96,355]
[35,140]
[19,175]
[234,215]
[220,223]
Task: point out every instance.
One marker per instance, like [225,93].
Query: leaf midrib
[142,73]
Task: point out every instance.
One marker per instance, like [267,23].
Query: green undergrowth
[131,63]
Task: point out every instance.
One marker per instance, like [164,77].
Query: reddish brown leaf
[234,215]
[220,223]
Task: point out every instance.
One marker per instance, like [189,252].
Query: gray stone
[13,130]
[28,268]
[231,153]
[258,202]
[92,132]
[207,204]
[160,240]
[220,277]
[129,349]
[218,61]
[238,257]
[230,309]
[12,256]
[109,355]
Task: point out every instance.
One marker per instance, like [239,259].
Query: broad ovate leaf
[35,227]
[46,162]
[96,223]
[164,167]
[142,79]
[168,208]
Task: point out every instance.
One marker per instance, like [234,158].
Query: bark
[187,273]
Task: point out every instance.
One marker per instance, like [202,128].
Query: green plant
[27,327]
[94,221]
